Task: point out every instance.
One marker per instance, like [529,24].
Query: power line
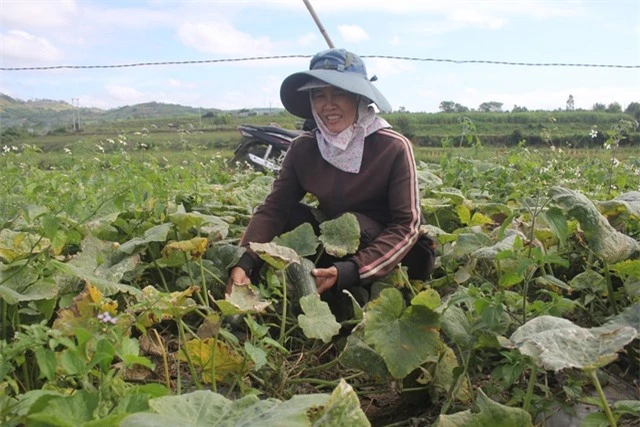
[262,58]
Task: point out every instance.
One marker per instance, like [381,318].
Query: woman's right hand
[237,277]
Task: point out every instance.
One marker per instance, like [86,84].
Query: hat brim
[298,104]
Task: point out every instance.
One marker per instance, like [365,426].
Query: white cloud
[395,40]
[222,38]
[180,84]
[382,67]
[38,15]
[125,95]
[352,33]
[22,47]
[468,17]
[307,39]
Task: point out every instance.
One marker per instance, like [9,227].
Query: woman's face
[337,108]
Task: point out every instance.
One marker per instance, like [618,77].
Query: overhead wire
[262,58]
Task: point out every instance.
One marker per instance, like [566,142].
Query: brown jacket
[385,190]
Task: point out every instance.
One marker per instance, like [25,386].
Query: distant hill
[43,115]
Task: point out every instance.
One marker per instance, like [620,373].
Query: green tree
[599,107]
[447,106]
[614,107]
[460,108]
[633,109]
[491,107]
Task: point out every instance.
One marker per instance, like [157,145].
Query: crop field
[114,256]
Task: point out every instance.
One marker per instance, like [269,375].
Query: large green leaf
[488,414]
[341,236]
[317,320]
[94,265]
[302,239]
[555,343]
[404,337]
[24,284]
[63,411]
[209,409]
[608,243]
[154,234]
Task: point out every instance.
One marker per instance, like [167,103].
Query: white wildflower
[593,133]
[66,150]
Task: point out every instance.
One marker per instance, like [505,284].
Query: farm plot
[113,271]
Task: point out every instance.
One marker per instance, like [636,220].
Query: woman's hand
[325,278]
[237,277]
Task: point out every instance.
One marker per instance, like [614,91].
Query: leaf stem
[530,386]
[283,321]
[607,278]
[603,399]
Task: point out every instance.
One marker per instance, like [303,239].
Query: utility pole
[75,103]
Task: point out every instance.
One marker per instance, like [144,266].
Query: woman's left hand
[325,278]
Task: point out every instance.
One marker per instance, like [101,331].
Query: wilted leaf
[590,280]
[242,300]
[468,243]
[629,317]
[302,239]
[557,222]
[342,409]
[317,320]
[506,243]
[627,204]
[211,354]
[457,327]
[430,298]
[358,355]
[276,256]
[166,306]
[489,414]
[404,337]
[186,221]
[15,245]
[555,343]
[444,376]
[195,247]
[95,265]
[341,236]
[608,243]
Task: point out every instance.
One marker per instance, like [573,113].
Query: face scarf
[344,150]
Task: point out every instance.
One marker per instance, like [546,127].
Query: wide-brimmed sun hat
[335,67]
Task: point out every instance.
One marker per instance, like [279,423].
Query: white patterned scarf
[344,150]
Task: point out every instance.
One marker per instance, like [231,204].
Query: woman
[353,162]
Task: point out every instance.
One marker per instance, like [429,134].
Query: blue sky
[77,32]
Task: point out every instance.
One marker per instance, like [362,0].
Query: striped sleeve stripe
[392,256]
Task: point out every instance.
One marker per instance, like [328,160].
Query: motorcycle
[263,147]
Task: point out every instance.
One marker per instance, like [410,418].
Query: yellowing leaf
[213,356]
[196,247]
